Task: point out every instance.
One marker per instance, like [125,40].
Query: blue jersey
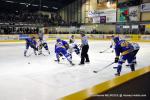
[123,47]
[31,41]
[65,44]
[58,47]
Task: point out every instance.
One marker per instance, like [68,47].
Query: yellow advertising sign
[147,26]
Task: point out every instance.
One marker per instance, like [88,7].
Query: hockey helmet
[58,40]
[116,39]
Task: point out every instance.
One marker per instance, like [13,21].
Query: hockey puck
[95,71]
[72,64]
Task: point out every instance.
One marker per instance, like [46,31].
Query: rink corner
[102,87]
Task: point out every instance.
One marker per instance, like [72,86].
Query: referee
[85,48]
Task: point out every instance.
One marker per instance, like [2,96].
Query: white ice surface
[44,79]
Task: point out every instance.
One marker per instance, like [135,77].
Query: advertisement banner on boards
[134,13]
[145,7]
[96,19]
[147,26]
[9,37]
[23,36]
[102,19]
[123,14]
[145,37]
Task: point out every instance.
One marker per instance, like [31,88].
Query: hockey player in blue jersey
[30,42]
[128,52]
[61,49]
[65,43]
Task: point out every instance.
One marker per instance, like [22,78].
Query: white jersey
[71,40]
[135,46]
[41,42]
[71,48]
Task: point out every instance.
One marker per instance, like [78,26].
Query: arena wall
[137,38]
[102,37]
[9,37]
[145,16]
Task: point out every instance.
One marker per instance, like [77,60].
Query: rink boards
[130,37]
[105,86]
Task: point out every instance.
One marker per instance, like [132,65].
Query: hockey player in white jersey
[73,47]
[72,39]
[42,43]
[136,48]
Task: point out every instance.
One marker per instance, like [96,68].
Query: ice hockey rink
[41,78]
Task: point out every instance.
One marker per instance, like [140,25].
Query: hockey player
[112,43]
[65,44]
[60,49]
[73,47]
[72,39]
[30,42]
[41,44]
[136,48]
[128,52]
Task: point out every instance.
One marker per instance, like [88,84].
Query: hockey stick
[96,71]
[104,50]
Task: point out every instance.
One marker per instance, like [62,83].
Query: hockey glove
[116,59]
[111,46]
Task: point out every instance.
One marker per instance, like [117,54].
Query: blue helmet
[58,40]
[116,39]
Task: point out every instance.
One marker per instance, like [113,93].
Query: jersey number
[125,44]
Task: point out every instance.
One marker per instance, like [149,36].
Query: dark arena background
[68,49]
